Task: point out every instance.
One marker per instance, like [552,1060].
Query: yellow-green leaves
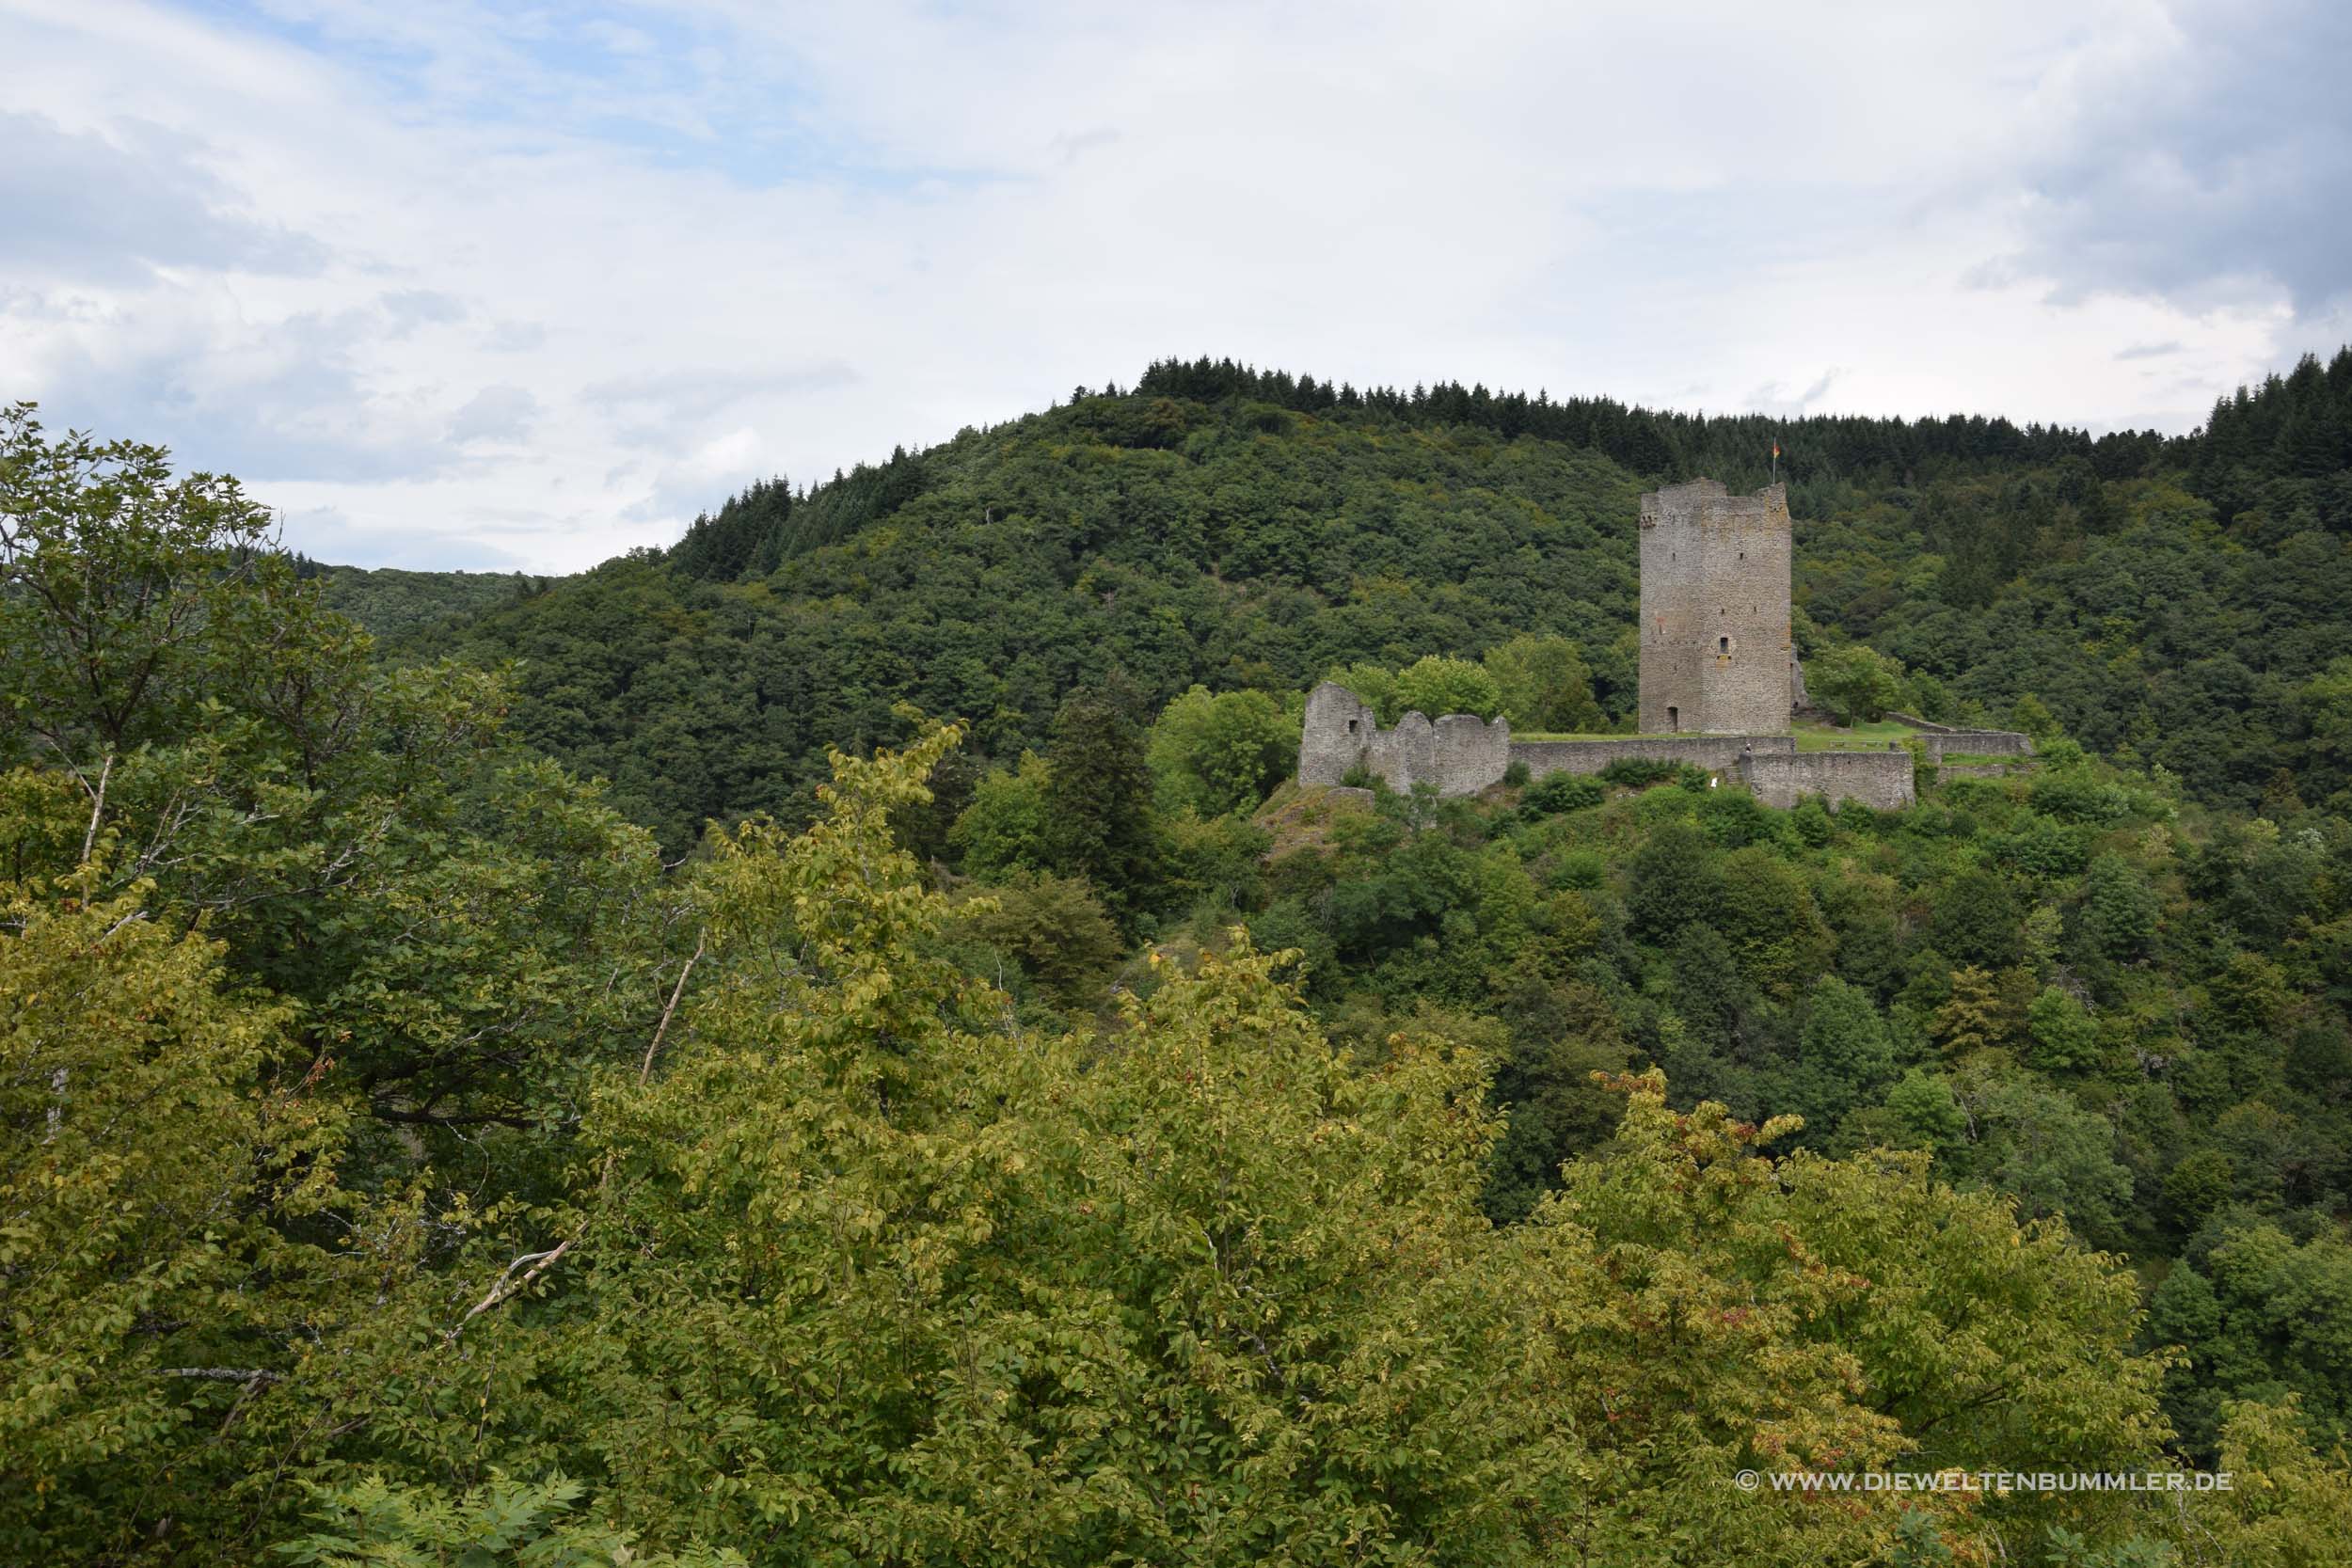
[133,1131]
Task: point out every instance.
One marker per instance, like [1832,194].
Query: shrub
[1558,792]
[1639,772]
[1219,753]
[1582,869]
[1435,686]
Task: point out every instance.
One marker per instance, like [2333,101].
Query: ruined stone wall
[1719,754]
[1881,780]
[1984,743]
[1459,754]
[1941,738]
[1332,741]
[1715,638]
[1470,754]
[1462,755]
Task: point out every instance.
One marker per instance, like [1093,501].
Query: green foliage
[2042,1147]
[1098,796]
[1215,862]
[2031,714]
[382,1121]
[1008,827]
[1562,1038]
[136,1121]
[1978,920]
[395,605]
[1220,753]
[2119,910]
[2064,1037]
[1639,772]
[1054,929]
[1857,683]
[373,1524]
[1845,1049]
[1675,882]
[2264,1318]
[1925,1113]
[1542,685]
[1436,686]
[1559,792]
[126,595]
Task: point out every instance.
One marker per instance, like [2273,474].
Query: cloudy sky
[471,285]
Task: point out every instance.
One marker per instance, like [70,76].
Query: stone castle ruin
[1719,680]
[1716,651]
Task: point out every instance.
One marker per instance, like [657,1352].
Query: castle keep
[1715,644]
[1719,677]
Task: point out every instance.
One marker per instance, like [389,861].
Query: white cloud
[547,282]
[496,413]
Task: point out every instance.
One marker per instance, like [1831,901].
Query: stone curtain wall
[1941,738]
[1718,753]
[1881,780]
[1715,638]
[1459,754]
[1472,754]
[1977,743]
[1464,755]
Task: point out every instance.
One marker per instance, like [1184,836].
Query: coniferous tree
[1097,794]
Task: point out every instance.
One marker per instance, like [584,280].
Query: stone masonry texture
[1881,780]
[1715,638]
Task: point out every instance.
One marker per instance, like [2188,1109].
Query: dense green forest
[392,603]
[949,1099]
[2173,603]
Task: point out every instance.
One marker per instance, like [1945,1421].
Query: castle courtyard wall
[1462,755]
[1880,779]
[1718,753]
[1942,739]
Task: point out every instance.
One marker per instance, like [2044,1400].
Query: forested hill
[393,603]
[2171,601]
[1114,1152]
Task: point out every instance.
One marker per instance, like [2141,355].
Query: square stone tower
[1715,644]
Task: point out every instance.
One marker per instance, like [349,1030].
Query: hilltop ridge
[2169,600]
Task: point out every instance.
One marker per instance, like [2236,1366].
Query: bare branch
[97,807]
[223,1374]
[646,1070]
[508,1285]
